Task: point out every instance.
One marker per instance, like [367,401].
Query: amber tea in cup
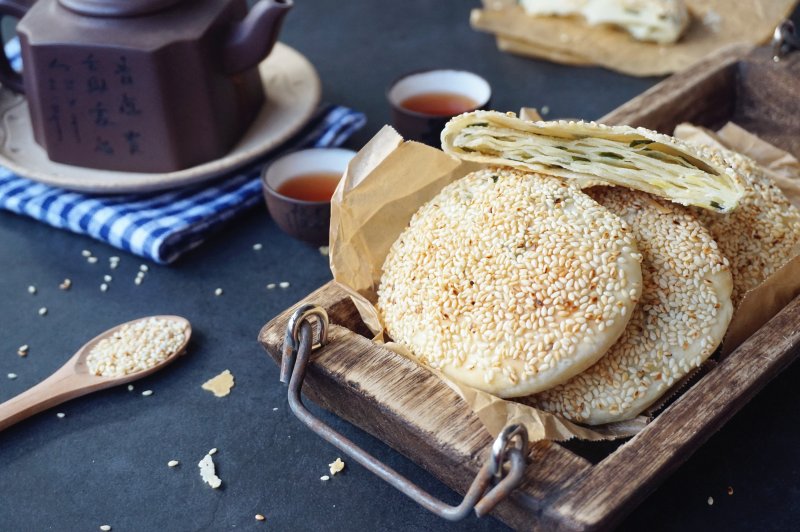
[314,186]
[439,103]
[298,188]
[423,102]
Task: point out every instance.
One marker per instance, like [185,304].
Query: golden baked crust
[681,318]
[510,282]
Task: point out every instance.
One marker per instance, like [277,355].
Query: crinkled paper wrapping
[715,24]
[390,179]
[385,184]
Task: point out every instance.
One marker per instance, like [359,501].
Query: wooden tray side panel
[390,397]
[618,483]
[704,94]
[768,98]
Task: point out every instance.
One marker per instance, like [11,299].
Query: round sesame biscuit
[510,282]
[683,314]
[762,234]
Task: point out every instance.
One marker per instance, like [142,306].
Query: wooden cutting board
[587,486]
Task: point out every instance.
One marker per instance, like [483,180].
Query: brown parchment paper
[383,187]
[715,24]
[767,299]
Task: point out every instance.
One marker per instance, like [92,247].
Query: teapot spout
[252,39]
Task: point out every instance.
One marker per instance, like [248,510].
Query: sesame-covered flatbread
[510,282]
[762,234]
[681,318]
[591,153]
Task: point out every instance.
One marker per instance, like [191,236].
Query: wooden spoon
[74,379]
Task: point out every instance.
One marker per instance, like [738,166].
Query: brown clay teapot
[141,85]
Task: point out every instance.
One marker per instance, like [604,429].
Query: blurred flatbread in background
[715,24]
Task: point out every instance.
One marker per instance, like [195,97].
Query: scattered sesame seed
[42,311]
[107,278]
[260,517]
[137,281]
[213,451]
[324,250]
[12,376]
[130,387]
[336,466]
[545,110]
[104,287]
[218,292]
[136,346]
[284,284]
[105,528]
[65,284]
[113,265]
[22,350]
[86,253]
[730,490]
[710,501]
[113,258]
[31,289]
[60,415]
[147,393]
[270,286]
[275,409]
[324,477]
[257,247]
[91,260]
[173,463]
[144,268]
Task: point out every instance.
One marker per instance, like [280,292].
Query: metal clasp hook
[784,40]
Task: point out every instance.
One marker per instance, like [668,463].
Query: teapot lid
[116,8]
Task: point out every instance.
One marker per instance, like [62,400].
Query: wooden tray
[407,407]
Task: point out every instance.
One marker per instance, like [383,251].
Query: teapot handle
[10,78]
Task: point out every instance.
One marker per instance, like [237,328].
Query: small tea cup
[300,218]
[471,90]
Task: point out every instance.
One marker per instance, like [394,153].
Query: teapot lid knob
[116,8]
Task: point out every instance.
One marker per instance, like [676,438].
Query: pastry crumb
[324,250]
[730,490]
[220,385]
[207,472]
[336,466]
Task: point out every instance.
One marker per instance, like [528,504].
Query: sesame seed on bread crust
[684,311]
[510,282]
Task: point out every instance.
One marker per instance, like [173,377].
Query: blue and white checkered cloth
[162,226]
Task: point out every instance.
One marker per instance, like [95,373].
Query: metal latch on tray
[510,446]
[784,40]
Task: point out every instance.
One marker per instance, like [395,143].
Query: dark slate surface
[105,462]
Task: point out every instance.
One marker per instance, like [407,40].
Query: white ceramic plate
[293,90]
